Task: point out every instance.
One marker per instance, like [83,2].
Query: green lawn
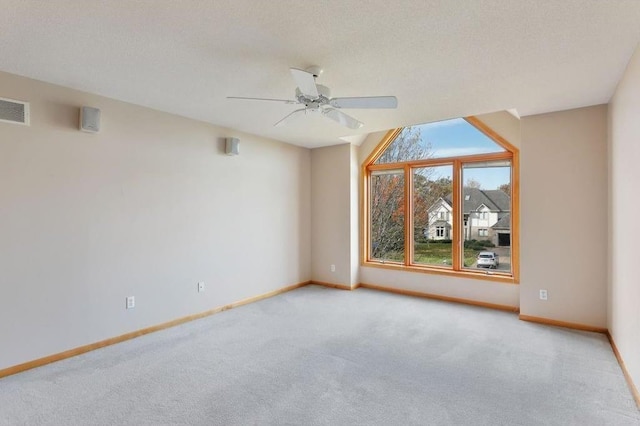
[435,254]
[440,254]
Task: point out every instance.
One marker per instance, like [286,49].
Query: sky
[451,138]
[488,177]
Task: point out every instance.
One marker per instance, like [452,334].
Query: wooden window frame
[457,268]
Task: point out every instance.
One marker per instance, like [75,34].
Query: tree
[387,215]
[387,194]
[472,183]
[408,145]
[506,188]
[428,189]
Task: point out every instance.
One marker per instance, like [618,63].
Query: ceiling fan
[316,98]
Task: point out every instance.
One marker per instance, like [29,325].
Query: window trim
[511,152]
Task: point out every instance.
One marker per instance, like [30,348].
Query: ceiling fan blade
[342,118]
[286,101]
[290,117]
[365,102]
[306,82]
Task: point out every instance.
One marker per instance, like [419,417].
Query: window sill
[477,275]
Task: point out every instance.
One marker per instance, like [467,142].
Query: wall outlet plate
[200,286]
[131,302]
[333,268]
[543,295]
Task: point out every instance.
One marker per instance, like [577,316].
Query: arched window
[443,197]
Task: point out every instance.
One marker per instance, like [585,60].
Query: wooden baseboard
[439,297]
[132,335]
[627,376]
[332,285]
[556,323]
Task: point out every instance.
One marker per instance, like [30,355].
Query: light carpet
[318,356]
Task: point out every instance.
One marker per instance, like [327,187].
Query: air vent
[15,112]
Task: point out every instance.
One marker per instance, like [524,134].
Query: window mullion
[456,242]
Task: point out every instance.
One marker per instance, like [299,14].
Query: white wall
[147,207]
[624,174]
[464,288]
[331,225]
[564,215]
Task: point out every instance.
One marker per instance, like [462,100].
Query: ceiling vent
[12,111]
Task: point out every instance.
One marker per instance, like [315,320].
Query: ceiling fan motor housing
[323,98]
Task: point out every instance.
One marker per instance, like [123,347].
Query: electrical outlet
[200,286]
[131,302]
[333,268]
[543,294]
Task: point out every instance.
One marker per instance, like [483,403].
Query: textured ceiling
[441,59]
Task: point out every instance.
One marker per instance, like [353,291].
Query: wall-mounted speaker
[89,119]
[232,146]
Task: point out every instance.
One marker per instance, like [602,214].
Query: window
[493,232]
[431,186]
[387,215]
[438,194]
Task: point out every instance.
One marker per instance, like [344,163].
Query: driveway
[505,258]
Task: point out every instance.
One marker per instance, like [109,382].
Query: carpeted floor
[317,356]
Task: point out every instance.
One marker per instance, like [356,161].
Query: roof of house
[441,222]
[494,199]
[503,223]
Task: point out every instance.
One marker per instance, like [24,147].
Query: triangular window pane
[441,139]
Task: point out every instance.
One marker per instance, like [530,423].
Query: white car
[488,259]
